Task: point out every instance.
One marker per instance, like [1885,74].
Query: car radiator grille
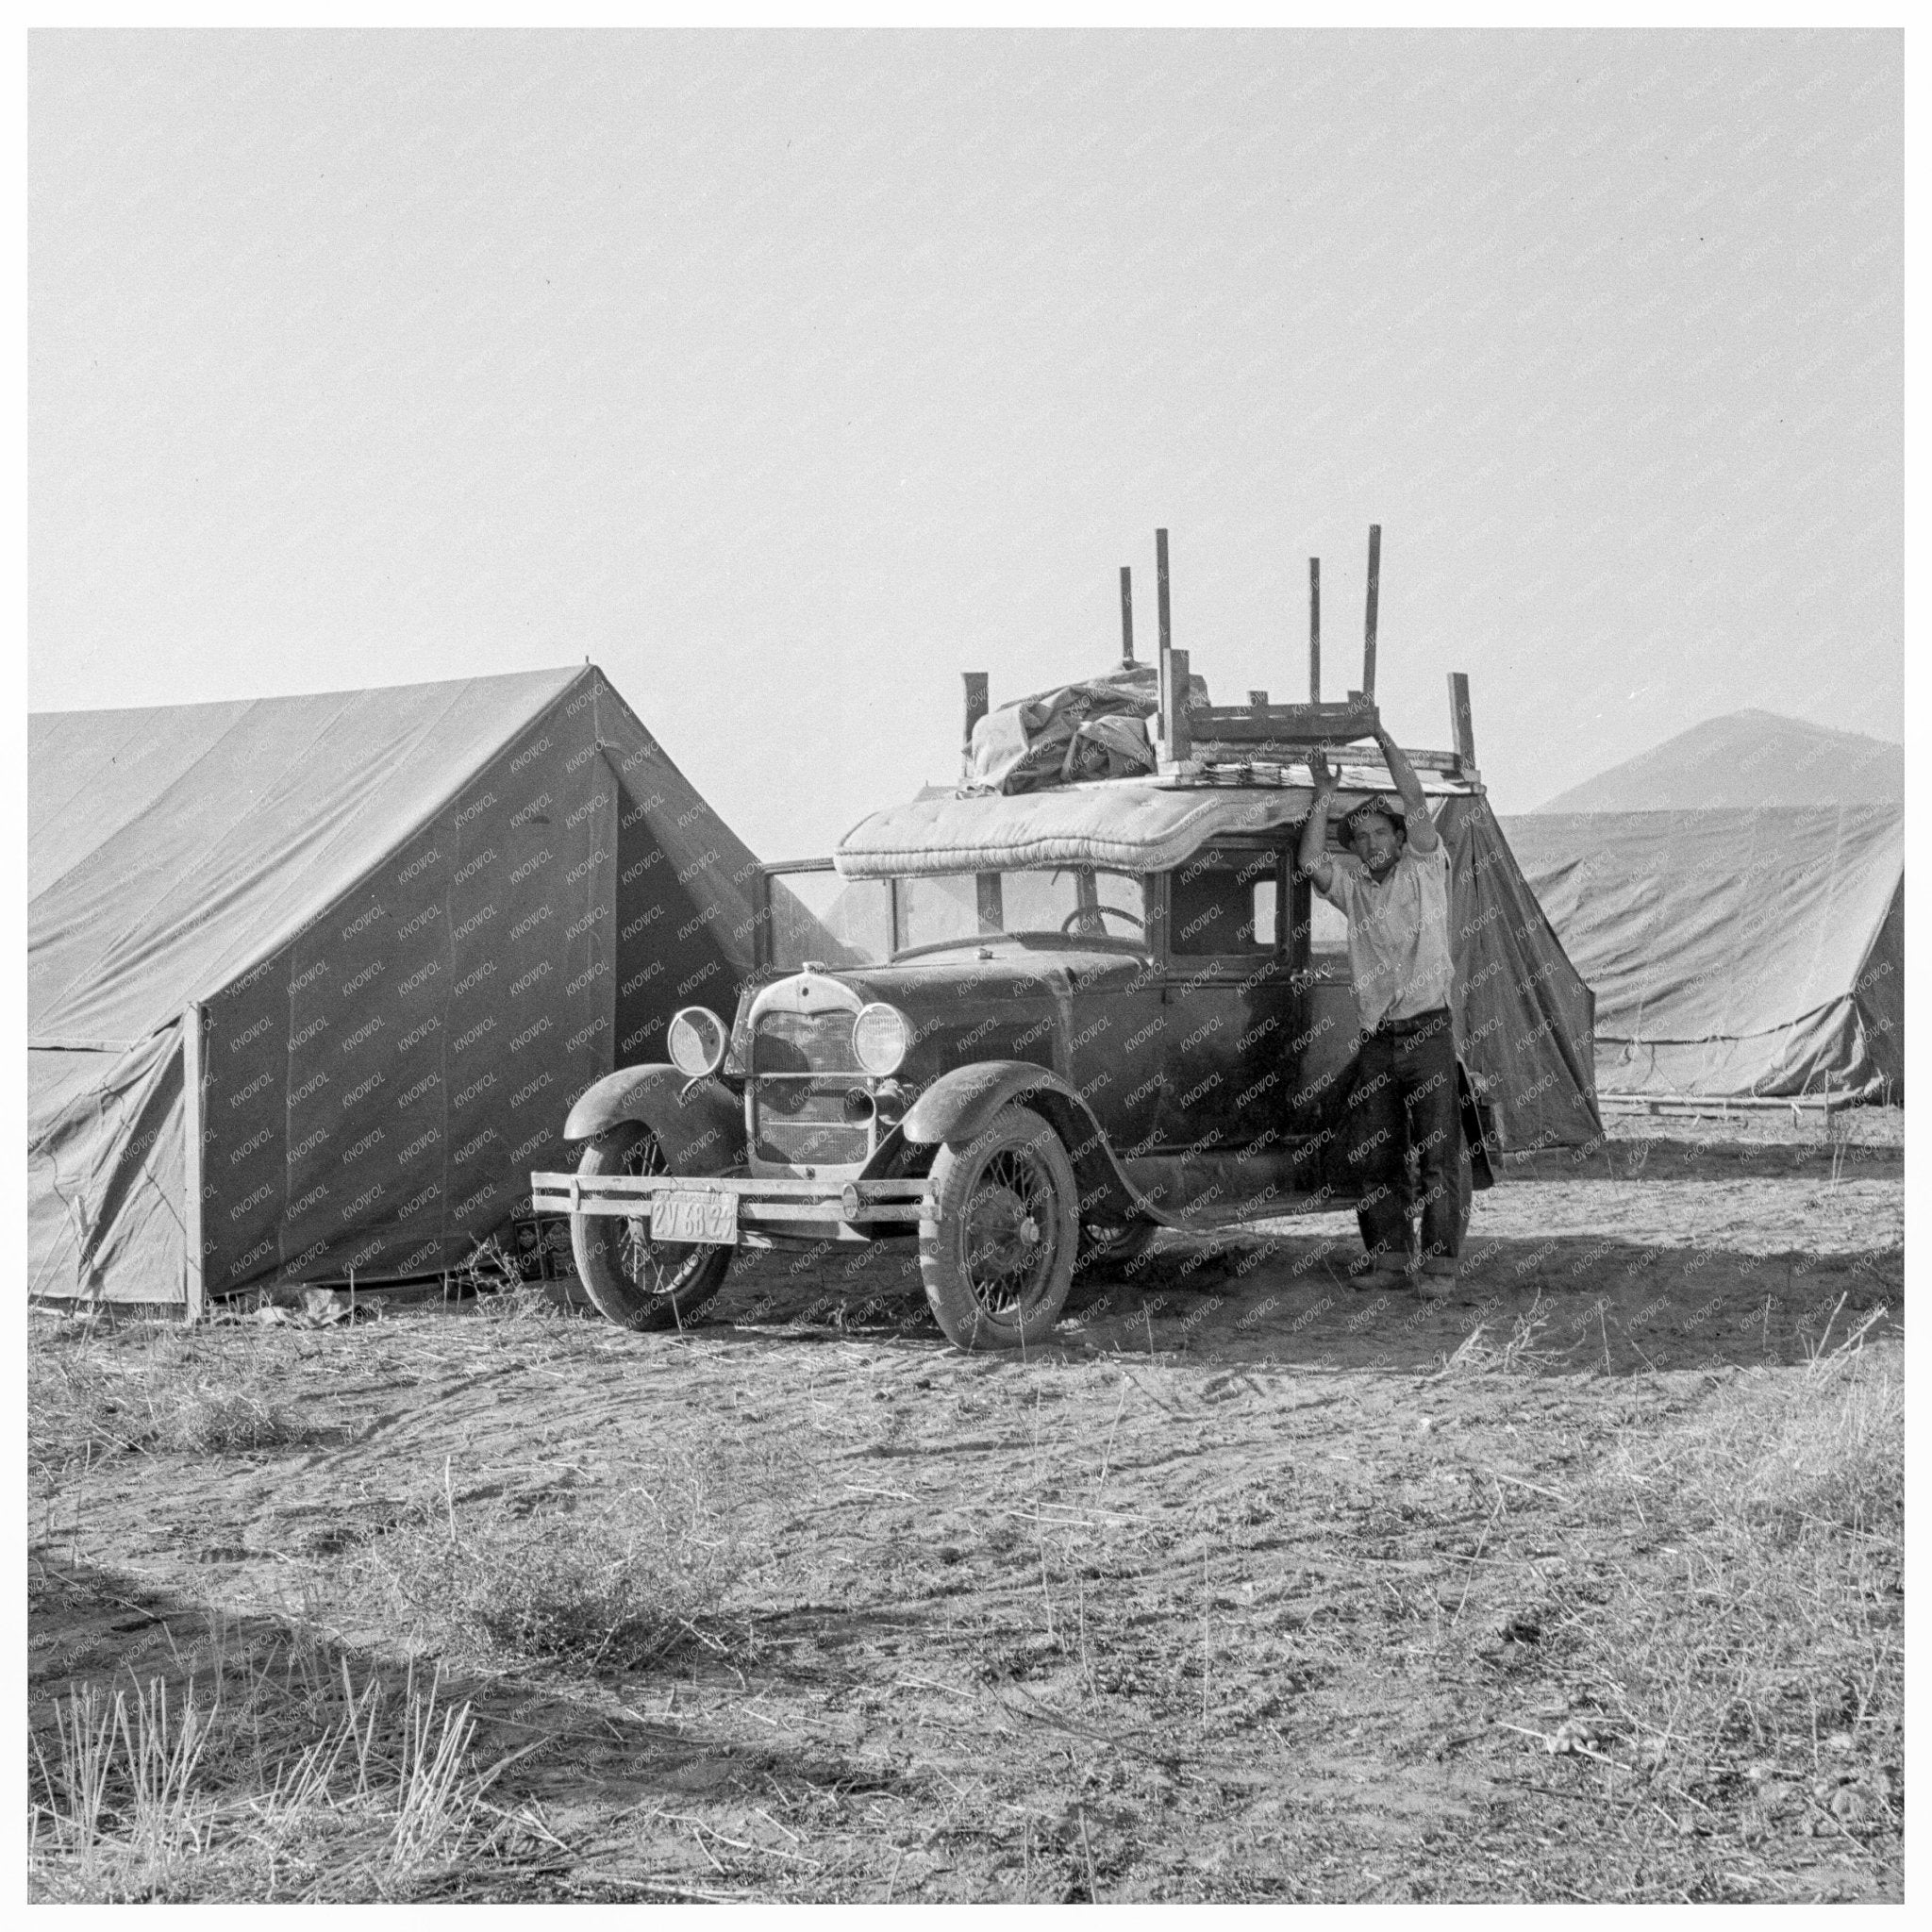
[803,1067]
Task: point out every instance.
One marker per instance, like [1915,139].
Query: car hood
[1014,971]
[964,1009]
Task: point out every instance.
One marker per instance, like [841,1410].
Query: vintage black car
[1028,1031]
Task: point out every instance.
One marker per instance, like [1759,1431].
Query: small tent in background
[312,981]
[1733,952]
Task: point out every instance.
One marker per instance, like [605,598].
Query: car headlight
[698,1040]
[881,1039]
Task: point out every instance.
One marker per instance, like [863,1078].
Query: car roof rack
[1256,743]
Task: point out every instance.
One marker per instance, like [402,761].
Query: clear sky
[788,375]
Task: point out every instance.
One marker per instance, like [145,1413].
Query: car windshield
[1077,903]
[817,915]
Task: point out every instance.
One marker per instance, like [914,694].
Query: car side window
[1327,927]
[1224,903]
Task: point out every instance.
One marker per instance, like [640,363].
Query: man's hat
[1389,809]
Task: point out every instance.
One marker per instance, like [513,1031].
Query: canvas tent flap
[1524,1014]
[1725,946]
[104,1172]
[1880,997]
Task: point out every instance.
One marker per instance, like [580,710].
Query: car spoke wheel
[636,1281]
[997,1255]
[1114,1243]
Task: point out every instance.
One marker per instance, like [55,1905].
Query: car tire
[637,1282]
[997,1257]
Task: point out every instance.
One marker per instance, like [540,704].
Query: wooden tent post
[1126,617]
[193,1286]
[1314,630]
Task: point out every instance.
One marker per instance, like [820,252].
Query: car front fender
[699,1124]
[961,1104]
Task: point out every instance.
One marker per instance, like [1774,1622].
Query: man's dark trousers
[1404,1099]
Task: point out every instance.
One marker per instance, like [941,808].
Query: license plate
[694,1217]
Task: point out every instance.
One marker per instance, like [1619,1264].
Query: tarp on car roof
[1523,1011]
[1736,951]
[403,929]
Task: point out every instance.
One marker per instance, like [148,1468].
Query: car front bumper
[850,1211]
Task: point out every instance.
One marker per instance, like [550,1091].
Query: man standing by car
[1393,890]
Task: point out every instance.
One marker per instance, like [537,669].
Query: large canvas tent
[1733,952]
[312,981]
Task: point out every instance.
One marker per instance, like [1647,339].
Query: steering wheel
[1082,913]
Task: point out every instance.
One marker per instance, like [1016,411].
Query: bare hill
[1750,757]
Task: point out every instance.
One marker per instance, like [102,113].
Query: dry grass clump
[221,1421]
[257,1785]
[1767,1632]
[1522,1353]
[617,1580]
[535,1308]
[150,1387]
[1818,1451]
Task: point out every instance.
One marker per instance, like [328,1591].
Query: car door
[1116,1019]
[1325,1039]
[1229,998]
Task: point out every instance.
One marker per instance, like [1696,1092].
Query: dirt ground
[1248,1587]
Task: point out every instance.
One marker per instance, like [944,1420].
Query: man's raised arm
[1312,856]
[1421,828]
